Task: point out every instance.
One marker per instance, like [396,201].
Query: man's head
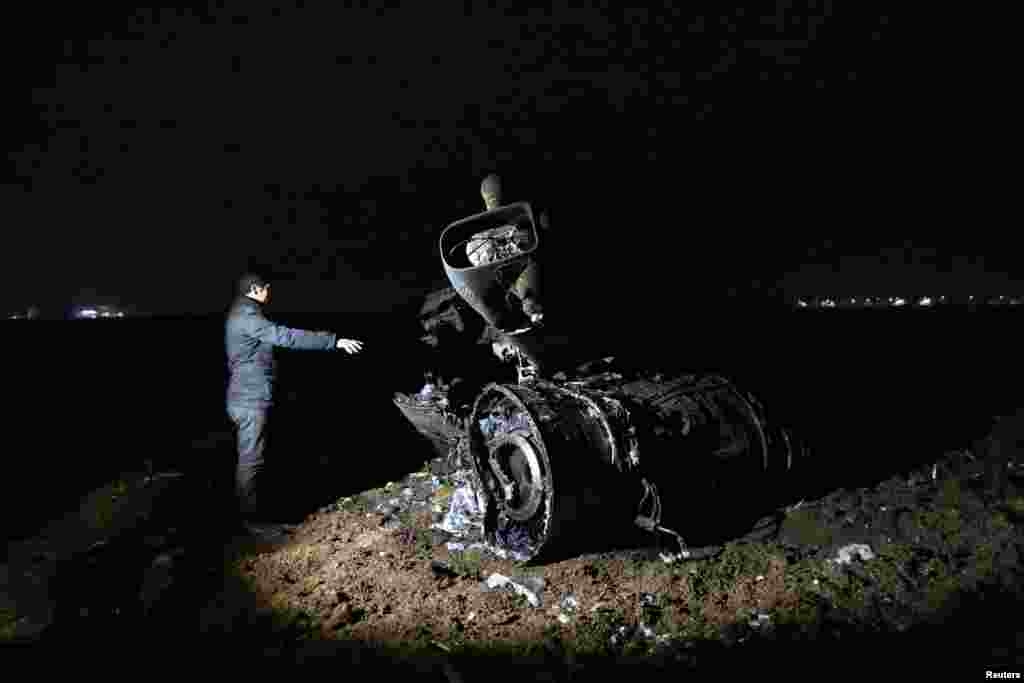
[255,287]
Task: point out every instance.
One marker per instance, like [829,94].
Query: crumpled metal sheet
[530,587]
[464,512]
[492,425]
[496,244]
[849,552]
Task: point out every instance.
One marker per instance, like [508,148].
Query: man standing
[250,339]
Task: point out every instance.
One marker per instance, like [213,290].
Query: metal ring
[522,444]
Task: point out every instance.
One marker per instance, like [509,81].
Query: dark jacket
[249,339]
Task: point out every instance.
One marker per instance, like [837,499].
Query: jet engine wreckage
[552,458]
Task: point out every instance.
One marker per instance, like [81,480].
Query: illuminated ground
[944,552]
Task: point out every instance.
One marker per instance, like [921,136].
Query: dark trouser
[251,436]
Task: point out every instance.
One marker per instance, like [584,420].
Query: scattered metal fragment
[463,512]
[498,581]
[849,552]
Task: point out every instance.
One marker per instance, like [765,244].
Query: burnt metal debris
[490,260]
[551,456]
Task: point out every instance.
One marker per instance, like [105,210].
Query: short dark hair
[250,280]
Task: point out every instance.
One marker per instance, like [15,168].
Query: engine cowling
[490,260]
[554,459]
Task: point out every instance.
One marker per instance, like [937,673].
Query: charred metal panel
[503,288]
[441,428]
[552,456]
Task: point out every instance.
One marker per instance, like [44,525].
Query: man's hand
[350,345]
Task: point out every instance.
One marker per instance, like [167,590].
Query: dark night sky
[156,154]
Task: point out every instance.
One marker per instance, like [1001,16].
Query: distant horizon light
[915,301]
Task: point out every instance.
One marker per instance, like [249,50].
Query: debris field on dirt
[404,567]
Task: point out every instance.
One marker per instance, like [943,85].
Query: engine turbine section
[556,460]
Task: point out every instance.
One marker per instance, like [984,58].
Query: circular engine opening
[516,465]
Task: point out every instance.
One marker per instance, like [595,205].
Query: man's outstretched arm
[291,338]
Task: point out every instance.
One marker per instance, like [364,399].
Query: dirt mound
[376,575]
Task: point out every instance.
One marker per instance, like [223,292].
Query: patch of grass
[292,622]
[1013,508]
[100,508]
[806,615]
[716,580]
[598,571]
[415,532]
[660,615]
[848,593]
[803,576]
[805,579]
[942,585]
[900,553]
[944,523]
[8,623]
[745,559]
[689,624]
[469,564]
[719,576]
[455,640]
[405,518]
[984,557]
[648,569]
[102,514]
[1000,521]
[886,569]
[817,589]
[950,495]
[531,572]
[414,538]
[359,503]
[594,632]
[638,648]
[919,577]
[805,527]
[423,633]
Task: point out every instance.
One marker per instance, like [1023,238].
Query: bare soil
[367,580]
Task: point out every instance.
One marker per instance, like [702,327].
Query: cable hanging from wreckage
[551,457]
